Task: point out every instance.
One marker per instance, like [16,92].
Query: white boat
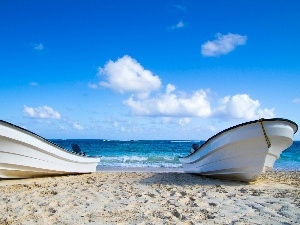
[241,152]
[24,154]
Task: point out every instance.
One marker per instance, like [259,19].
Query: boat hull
[242,152]
[24,154]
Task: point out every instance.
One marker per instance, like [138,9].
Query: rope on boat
[265,134]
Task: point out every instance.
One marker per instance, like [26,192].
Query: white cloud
[76,126]
[44,112]
[223,44]
[126,75]
[38,46]
[170,88]
[243,107]
[180,24]
[169,104]
[173,104]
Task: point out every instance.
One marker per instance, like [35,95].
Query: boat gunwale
[240,125]
[43,139]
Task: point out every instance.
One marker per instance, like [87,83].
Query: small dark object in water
[76,148]
[194,148]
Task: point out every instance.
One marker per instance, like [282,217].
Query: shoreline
[150,198]
[140,169]
[161,169]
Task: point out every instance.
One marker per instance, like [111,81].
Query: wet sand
[150,198]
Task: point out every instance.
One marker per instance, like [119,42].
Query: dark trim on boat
[44,139]
[240,125]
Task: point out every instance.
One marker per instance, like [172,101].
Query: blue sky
[147,69]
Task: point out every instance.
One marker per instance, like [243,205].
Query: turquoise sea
[156,154]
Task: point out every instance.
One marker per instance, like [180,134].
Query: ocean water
[157,154]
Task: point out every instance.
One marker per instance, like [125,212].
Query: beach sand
[150,198]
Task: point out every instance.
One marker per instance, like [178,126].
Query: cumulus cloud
[223,44]
[126,75]
[180,24]
[243,107]
[171,104]
[38,46]
[44,112]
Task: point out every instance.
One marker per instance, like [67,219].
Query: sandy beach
[150,198]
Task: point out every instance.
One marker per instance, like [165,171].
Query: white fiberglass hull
[24,154]
[242,152]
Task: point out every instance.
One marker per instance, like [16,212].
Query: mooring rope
[265,134]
